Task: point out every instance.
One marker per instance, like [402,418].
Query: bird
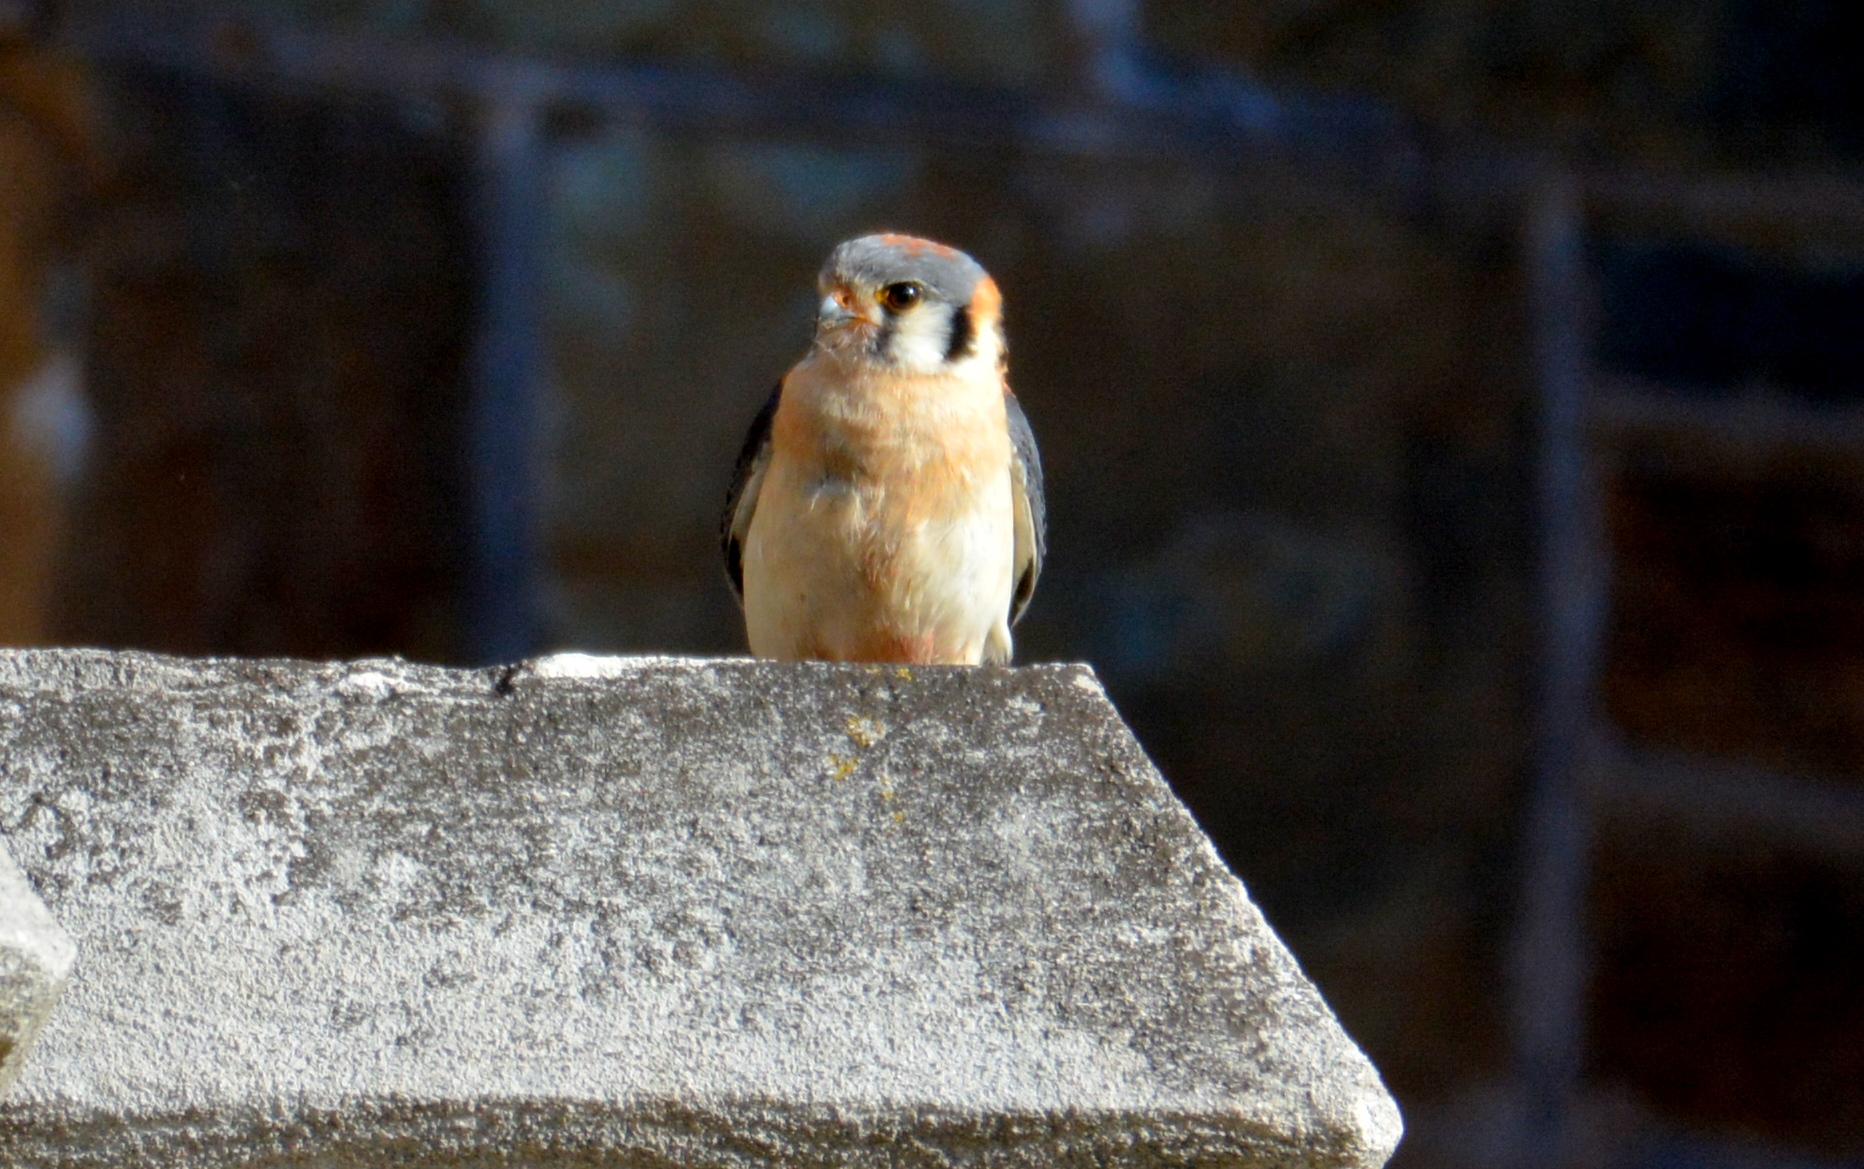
[887,503]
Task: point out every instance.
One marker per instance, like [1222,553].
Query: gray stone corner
[35,962]
[642,911]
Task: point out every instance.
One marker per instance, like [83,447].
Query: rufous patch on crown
[913,245]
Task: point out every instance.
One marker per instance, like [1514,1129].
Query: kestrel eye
[900,297]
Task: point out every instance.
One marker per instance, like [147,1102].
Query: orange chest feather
[915,448]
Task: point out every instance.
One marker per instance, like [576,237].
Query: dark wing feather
[741,500]
[1031,508]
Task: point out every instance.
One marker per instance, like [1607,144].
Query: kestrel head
[909,304]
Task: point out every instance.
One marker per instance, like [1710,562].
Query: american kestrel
[887,505]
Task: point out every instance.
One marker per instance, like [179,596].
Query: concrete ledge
[35,962]
[641,912]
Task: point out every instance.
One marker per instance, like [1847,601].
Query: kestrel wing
[747,478]
[1031,508]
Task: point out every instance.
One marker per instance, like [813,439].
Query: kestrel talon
[887,505]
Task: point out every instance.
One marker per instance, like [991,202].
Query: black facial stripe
[883,337]
[963,340]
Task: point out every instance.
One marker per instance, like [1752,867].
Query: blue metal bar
[1137,108]
[503,568]
[1548,1000]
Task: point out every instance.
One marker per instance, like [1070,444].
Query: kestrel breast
[881,539]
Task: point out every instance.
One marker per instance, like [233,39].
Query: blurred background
[1453,413]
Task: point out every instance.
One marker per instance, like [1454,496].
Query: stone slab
[641,912]
[35,962]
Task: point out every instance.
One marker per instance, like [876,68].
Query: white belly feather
[833,569]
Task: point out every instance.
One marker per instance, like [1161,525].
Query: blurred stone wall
[1014,42]
[49,156]
[280,302]
[1668,82]
[1725,962]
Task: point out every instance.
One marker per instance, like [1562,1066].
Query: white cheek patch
[918,339]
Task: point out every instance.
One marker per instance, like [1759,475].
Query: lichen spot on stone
[865,731]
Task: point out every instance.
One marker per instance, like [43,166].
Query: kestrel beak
[840,309]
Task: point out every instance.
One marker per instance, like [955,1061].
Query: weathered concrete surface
[641,912]
[35,961]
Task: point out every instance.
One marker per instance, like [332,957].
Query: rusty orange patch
[986,301]
[916,245]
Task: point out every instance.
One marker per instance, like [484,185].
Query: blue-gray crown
[874,261]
